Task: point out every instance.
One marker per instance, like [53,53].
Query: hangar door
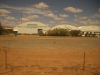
[40,31]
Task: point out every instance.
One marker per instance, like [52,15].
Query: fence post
[84,61]
[5,59]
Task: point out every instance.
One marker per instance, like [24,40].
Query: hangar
[93,29]
[31,28]
[66,26]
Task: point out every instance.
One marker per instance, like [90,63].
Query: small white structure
[31,28]
[66,26]
[93,29]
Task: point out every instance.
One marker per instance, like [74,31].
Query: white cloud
[75,16]
[90,22]
[11,7]
[41,5]
[50,15]
[86,21]
[7,23]
[73,10]
[63,22]
[52,22]
[25,19]
[97,15]
[56,11]
[78,18]
[99,10]
[10,18]
[63,15]
[58,19]
[4,12]
[28,10]
[31,17]
[55,17]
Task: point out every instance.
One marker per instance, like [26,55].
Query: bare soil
[49,55]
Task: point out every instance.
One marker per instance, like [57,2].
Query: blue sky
[50,12]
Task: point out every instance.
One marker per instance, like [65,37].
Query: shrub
[75,33]
[58,32]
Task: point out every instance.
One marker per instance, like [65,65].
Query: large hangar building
[31,28]
[93,29]
[66,26]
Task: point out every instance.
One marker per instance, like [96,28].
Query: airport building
[66,26]
[37,27]
[31,28]
[90,29]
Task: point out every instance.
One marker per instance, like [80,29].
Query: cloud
[7,23]
[90,22]
[73,10]
[77,18]
[27,10]
[56,11]
[58,19]
[63,22]
[11,7]
[55,17]
[4,12]
[97,15]
[10,18]
[29,18]
[50,15]
[41,5]
[52,22]
[99,10]
[25,20]
[85,20]
[63,15]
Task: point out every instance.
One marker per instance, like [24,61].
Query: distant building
[31,28]
[90,29]
[66,26]
[10,29]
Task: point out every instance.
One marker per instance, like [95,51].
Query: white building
[31,28]
[90,29]
[66,26]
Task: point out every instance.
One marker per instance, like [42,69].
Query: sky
[50,12]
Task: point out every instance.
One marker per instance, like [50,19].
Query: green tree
[58,32]
[75,32]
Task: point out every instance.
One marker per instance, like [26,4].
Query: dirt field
[47,55]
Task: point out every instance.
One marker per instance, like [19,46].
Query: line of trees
[62,32]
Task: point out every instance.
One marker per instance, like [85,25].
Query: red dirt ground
[48,55]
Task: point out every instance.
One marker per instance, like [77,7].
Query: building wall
[91,29]
[31,28]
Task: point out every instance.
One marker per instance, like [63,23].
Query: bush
[58,32]
[75,33]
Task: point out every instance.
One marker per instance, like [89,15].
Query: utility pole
[21,16]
